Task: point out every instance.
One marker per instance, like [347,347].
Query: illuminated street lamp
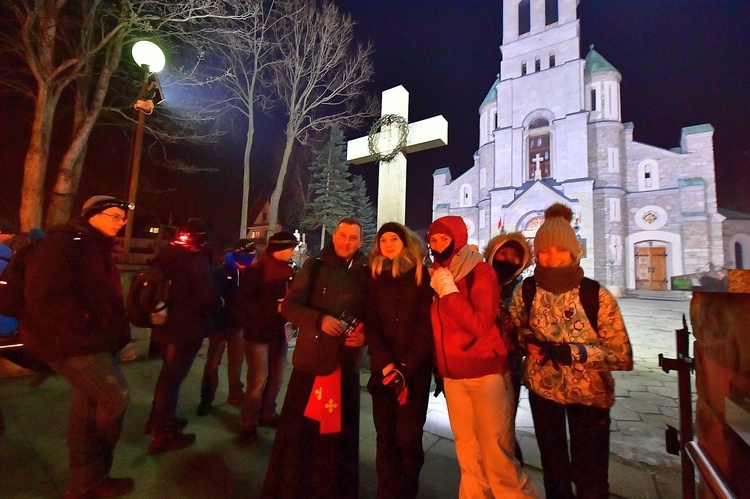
[151,59]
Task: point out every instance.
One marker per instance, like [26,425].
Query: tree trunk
[246,174]
[276,196]
[63,194]
[37,156]
[87,111]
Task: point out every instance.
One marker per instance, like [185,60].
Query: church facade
[551,131]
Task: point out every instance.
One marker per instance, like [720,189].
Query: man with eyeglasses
[74,320]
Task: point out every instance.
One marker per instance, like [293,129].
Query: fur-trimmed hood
[498,241]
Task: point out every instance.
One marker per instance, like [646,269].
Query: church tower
[551,130]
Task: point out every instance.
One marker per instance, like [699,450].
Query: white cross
[538,172]
[425,134]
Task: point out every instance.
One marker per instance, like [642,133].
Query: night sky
[683,63]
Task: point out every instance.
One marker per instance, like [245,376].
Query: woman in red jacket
[471,357]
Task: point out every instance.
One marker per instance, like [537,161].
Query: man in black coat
[190,317]
[75,321]
[309,458]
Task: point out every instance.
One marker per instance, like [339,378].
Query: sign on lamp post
[151,59]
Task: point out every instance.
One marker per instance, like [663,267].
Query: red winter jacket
[467,341]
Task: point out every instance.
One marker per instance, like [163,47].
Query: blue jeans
[232,341]
[100,397]
[588,464]
[178,358]
[265,372]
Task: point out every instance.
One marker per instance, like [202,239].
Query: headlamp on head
[98,204]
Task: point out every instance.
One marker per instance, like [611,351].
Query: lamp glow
[149,53]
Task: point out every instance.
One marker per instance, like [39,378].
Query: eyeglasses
[115,218]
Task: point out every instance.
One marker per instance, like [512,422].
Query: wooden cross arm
[425,134]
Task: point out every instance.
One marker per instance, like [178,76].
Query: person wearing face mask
[568,362]
[470,355]
[399,337]
[510,255]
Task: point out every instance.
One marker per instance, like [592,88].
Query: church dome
[595,63]
[492,94]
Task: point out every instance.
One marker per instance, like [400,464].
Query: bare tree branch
[319,79]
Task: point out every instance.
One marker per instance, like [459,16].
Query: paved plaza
[33,459]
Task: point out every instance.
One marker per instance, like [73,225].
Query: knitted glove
[559,354]
[394,379]
[442,282]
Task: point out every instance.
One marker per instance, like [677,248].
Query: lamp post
[151,59]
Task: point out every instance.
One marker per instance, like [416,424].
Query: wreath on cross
[403,133]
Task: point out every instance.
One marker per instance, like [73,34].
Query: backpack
[12,301]
[588,294]
[148,299]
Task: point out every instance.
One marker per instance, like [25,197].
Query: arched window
[465,193]
[537,64]
[552,60]
[524,17]
[539,149]
[523,69]
[550,11]
[648,175]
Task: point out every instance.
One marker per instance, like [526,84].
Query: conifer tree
[364,211]
[331,197]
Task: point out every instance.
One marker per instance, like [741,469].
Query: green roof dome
[492,95]
[596,63]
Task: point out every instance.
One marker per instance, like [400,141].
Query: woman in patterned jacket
[568,363]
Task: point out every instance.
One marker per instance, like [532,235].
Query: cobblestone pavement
[33,459]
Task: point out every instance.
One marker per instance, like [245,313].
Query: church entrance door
[651,268]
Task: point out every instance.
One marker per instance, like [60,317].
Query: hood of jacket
[456,230]
[498,241]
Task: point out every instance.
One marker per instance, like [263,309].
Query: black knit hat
[392,227]
[98,204]
[281,241]
[244,245]
[196,231]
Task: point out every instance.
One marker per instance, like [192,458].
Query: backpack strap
[528,290]
[469,280]
[315,267]
[589,296]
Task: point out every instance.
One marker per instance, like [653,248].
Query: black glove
[395,380]
[439,385]
[559,354]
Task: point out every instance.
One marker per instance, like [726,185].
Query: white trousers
[483,423]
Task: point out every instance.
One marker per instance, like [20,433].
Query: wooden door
[651,268]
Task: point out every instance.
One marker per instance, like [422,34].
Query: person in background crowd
[568,362]
[307,460]
[192,305]
[510,255]
[471,358]
[261,294]
[74,319]
[229,329]
[399,338]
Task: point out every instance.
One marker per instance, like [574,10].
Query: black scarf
[558,279]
